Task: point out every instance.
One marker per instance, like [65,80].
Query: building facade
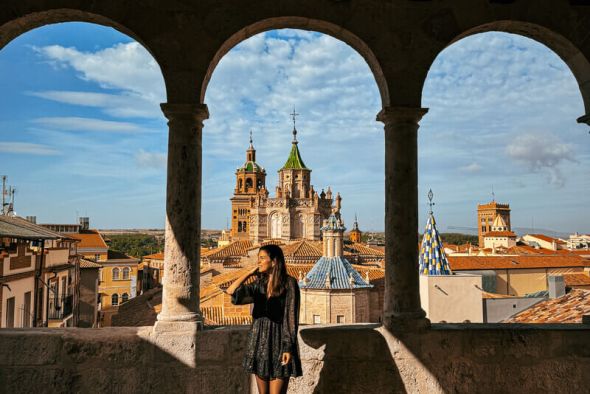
[296,211]
[486,214]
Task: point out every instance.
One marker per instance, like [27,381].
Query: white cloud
[126,104]
[72,123]
[542,153]
[125,67]
[150,159]
[26,148]
[471,168]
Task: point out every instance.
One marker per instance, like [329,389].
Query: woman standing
[272,353]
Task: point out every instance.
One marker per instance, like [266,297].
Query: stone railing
[475,358]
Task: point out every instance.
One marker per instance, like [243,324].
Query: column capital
[390,115]
[199,112]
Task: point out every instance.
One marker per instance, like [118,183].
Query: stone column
[402,310]
[180,298]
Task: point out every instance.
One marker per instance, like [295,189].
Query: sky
[82,134]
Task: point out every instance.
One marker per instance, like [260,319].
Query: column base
[187,322]
[409,321]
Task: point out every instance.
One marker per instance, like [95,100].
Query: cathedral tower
[355,234]
[486,215]
[250,182]
[294,177]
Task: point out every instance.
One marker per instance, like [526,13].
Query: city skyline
[82,131]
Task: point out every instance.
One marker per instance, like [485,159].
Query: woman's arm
[290,321]
[231,290]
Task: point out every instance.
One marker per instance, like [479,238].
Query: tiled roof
[567,309]
[236,248]
[251,166]
[375,273]
[432,258]
[338,270]
[294,269]
[139,311]
[214,316]
[303,248]
[84,263]
[365,250]
[499,233]
[155,256]
[578,279]
[89,239]
[459,263]
[546,238]
[294,161]
[17,227]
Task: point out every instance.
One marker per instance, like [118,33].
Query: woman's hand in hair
[238,282]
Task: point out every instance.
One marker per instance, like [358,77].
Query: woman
[272,353]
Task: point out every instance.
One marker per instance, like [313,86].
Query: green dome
[251,166]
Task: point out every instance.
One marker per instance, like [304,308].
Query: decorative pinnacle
[430,203]
[251,146]
[293,115]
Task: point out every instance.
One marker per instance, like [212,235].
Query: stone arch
[564,48]
[275,225]
[295,22]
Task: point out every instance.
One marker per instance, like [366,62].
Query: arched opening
[501,148]
[330,139]
[84,128]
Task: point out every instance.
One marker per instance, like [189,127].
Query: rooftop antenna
[293,115]
[3,195]
[430,203]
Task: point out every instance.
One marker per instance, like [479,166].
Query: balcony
[60,307]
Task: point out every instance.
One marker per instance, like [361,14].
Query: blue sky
[81,132]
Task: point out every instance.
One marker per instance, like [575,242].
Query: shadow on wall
[350,359]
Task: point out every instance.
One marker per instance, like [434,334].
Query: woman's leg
[279,386]
[262,385]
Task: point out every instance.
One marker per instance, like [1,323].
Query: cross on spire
[430,203]
[294,115]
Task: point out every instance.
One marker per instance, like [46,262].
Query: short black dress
[274,329]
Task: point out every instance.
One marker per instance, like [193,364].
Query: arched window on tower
[239,227]
[248,183]
[240,184]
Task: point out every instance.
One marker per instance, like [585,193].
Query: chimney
[32,219]
[556,286]
[84,223]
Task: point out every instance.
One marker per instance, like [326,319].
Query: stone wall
[336,359]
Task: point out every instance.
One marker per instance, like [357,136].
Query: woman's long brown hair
[277,278]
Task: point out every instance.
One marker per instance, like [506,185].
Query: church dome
[251,166]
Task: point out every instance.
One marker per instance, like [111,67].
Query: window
[10,312]
[126,273]
[115,273]
[316,319]
[27,310]
[115,299]
[97,257]
[340,319]
[248,183]
[124,297]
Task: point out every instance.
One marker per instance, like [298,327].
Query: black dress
[274,329]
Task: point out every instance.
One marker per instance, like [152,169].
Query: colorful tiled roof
[459,263]
[432,259]
[567,309]
[333,273]
[294,161]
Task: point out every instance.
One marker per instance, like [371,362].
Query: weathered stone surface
[361,358]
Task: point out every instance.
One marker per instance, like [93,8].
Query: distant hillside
[458,238]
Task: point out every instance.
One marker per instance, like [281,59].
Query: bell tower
[250,181]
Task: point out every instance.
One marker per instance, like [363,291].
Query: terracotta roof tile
[236,248]
[459,263]
[303,249]
[578,279]
[90,239]
[499,234]
[365,250]
[155,256]
[84,263]
[546,238]
[567,309]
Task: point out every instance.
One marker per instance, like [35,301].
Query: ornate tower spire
[251,152]
[293,115]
